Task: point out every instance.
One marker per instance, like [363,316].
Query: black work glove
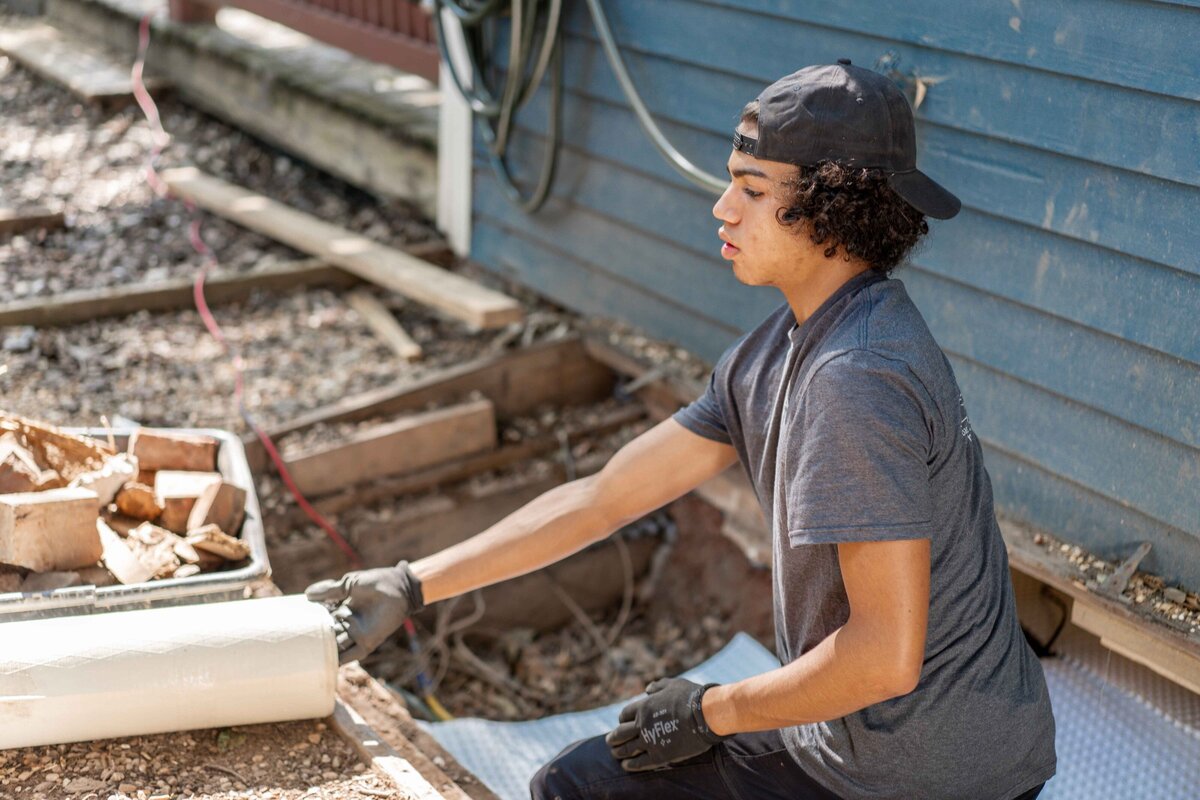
[370,605]
[663,728]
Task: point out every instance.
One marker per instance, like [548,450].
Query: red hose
[161,139]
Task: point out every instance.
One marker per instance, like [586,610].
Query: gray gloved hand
[663,728]
[370,605]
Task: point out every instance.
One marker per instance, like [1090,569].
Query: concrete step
[368,124]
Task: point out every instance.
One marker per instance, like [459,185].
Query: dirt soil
[283,761]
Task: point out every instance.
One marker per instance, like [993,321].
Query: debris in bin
[107,527]
[50,530]
[177,491]
[137,500]
[163,450]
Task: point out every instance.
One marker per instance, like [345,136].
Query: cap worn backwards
[854,116]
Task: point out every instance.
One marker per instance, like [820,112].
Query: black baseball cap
[854,116]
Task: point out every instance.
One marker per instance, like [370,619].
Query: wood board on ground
[388,267]
[555,372]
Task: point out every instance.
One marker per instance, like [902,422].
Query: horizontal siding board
[703,286]
[1138,386]
[1124,463]
[1124,211]
[1043,500]
[584,288]
[1142,45]
[1138,300]
[691,75]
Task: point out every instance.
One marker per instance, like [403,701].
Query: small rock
[1175,595]
[126,788]
[314,738]
[20,340]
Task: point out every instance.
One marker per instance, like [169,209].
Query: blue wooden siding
[1066,294]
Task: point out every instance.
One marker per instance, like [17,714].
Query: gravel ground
[285,761]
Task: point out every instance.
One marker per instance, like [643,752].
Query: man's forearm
[846,672]
[550,527]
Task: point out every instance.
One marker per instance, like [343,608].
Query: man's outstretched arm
[652,470]
[657,467]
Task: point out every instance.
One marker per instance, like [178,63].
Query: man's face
[763,252]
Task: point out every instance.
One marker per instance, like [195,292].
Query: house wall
[1066,293]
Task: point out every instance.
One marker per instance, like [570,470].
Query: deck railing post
[189,11]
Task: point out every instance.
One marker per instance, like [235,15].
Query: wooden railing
[394,32]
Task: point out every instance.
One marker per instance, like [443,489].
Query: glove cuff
[412,588]
[697,703]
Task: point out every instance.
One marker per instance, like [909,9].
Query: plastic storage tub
[209,587]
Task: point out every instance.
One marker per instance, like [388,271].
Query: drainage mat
[1110,742]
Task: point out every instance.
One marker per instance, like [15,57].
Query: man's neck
[815,286]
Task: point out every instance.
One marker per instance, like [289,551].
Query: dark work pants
[749,766]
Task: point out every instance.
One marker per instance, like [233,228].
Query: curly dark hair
[849,208]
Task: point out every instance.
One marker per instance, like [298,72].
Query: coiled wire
[536,27]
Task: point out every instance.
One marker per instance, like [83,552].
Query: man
[905,673]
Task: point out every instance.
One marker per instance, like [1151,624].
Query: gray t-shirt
[852,428]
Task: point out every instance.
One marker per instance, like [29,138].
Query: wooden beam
[463,468]
[404,445]
[380,320]
[557,372]
[87,304]
[380,756]
[662,396]
[390,721]
[1140,637]
[86,72]
[18,220]
[390,268]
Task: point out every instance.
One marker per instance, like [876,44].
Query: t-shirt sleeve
[859,454]
[706,416]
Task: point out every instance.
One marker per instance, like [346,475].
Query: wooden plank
[1112,458]
[80,306]
[589,289]
[700,80]
[19,220]
[86,72]
[460,469]
[517,382]
[380,320]
[380,756]
[1137,643]
[390,268]
[392,723]
[1119,294]
[1134,384]
[404,445]
[1169,648]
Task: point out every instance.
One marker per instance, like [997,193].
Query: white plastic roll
[72,679]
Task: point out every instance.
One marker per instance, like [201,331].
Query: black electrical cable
[495,107]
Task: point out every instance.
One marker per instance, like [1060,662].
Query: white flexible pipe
[131,673]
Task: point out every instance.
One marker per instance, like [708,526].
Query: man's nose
[723,209]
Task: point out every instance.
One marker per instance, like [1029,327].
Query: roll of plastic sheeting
[130,673]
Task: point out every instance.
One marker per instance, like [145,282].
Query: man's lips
[728,249]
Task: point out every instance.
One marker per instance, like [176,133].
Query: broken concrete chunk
[137,500]
[49,581]
[177,492]
[221,504]
[65,453]
[19,470]
[108,479]
[157,450]
[119,558]
[51,530]
[212,539]
[187,571]
[155,548]
[1174,595]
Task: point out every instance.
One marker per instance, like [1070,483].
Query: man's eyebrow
[742,172]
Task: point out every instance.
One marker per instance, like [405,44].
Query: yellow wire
[437,708]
